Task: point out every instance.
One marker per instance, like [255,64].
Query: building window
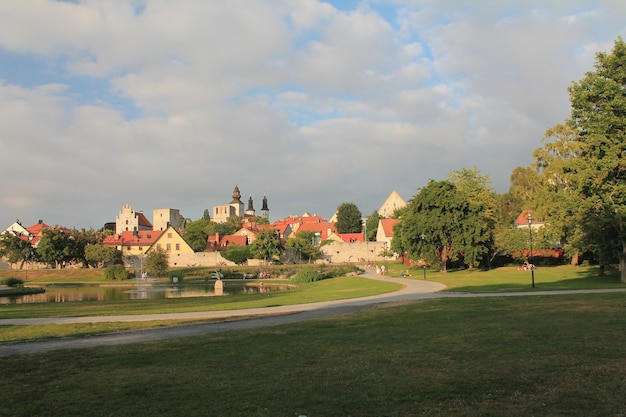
[178,246]
[158,246]
[168,247]
[169,235]
[140,248]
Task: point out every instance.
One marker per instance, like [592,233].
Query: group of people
[526,266]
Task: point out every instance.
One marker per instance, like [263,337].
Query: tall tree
[267,244]
[349,218]
[56,246]
[371,225]
[596,166]
[16,250]
[439,224]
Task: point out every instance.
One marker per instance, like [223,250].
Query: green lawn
[506,279]
[513,356]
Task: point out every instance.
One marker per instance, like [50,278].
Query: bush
[307,275]
[14,282]
[117,272]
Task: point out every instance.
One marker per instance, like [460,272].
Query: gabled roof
[393,203]
[387,226]
[522,219]
[143,220]
[217,242]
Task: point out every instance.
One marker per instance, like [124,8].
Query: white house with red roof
[384,233]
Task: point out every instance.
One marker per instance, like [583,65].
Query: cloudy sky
[160,103]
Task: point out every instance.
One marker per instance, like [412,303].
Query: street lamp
[530,234]
[423,260]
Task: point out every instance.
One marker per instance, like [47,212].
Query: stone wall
[356,252]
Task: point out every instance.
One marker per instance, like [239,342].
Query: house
[16,229]
[393,203]
[37,230]
[132,243]
[384,233]
[322,230]
[522,220]
[171,242]
[129,220]
[221,243]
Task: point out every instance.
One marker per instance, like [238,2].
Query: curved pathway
[251,318]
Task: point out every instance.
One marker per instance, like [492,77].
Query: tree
[237,254]
[196,234]
[439,224]
[56,246]
[101,254]
[349,218]
[15,249]
[267,244]
[371,225]
[302,243]
[206,215]
[595,168]
[156,263]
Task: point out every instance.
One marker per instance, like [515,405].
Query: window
[168,247]
[178,246]
[158,246]
[169,235]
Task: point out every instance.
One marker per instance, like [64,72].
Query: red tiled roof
[324,228]
[129,238]
[351,237]
[143,220]
[387,225]
[522,219]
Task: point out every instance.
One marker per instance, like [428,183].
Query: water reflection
[85,293]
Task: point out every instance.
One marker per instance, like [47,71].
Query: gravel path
[254,318]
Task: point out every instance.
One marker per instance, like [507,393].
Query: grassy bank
[522,356]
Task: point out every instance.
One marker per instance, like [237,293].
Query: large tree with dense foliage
[302,245]
[267,244]
[156,263]
[588,167]
[196,234]
[15,249]
[99,254]
[439,224]
[349,218]
[56,246]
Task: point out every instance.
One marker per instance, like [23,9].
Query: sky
[170,104]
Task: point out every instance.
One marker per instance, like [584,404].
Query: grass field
[523,356]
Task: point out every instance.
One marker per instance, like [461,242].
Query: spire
[265,203]
[265,212]
[250,205]
[236,195]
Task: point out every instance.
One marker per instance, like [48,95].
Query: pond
[61,293]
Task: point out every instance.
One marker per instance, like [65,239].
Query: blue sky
[161,104]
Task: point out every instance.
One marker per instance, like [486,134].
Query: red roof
[351,237]
[216,242]
[387,225]
[129,238]
[522,219]
[325,229]
[143,220]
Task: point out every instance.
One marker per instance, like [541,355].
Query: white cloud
[159,103]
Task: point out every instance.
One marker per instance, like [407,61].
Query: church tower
[237,204]
[265,211]
[250,211]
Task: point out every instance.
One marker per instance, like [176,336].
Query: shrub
[307,275]
[14,282]
[117,272]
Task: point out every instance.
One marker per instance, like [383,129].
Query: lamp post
[423,260]
[530,254]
